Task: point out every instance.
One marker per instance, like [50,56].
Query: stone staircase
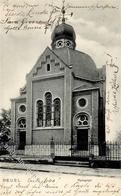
[72,163]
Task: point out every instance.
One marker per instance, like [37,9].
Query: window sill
[47,128]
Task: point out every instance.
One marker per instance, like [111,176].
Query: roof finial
[63,12]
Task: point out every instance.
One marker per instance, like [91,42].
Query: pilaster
[29,112]
[13,121]
[67,105]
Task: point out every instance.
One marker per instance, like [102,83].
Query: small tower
[63,34]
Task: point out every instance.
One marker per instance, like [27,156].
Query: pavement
[100,172]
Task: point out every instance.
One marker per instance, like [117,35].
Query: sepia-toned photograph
[60,100]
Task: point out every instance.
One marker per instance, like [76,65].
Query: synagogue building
[63,99]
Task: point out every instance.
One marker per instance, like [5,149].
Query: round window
[22,108]
[22,123]
[82,120]
[82,102]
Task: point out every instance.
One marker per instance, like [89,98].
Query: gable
[46,60]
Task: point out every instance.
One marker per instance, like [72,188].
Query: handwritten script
[25,16]
[58,186]
[112,94]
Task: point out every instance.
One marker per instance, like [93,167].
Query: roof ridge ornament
[63,34]
[63,12]
[57,14]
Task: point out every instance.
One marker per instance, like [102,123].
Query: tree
[5,122]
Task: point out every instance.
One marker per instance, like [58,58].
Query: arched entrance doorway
[81,131]
[21,133]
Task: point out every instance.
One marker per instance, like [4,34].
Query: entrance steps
[44,160]
[72,163]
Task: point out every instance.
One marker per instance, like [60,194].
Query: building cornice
[88,80]
[50,76]
[18,98]
[86,89]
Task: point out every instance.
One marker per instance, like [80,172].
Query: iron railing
[106,151]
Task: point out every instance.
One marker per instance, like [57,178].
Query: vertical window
[57,113]
[48,101]
[39,113]
[48,67]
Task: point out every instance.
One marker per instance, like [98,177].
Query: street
[58,181]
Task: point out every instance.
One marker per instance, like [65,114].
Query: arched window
[48,109]
[48,67]
[57,111]
[39,113]
[21,123]
[82,119]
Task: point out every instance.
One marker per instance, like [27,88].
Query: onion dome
[63,36]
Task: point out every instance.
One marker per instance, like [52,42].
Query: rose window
[82,120]
[22,123]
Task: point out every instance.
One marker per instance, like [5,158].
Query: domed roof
[82,64]
[63,31]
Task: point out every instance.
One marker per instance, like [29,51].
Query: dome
[63,31]
[82,64]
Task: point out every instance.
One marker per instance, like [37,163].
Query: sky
[98,33]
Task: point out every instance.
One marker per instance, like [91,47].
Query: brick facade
[65,81]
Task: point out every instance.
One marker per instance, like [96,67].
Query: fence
[113,151]
[106,151]
[52,148]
